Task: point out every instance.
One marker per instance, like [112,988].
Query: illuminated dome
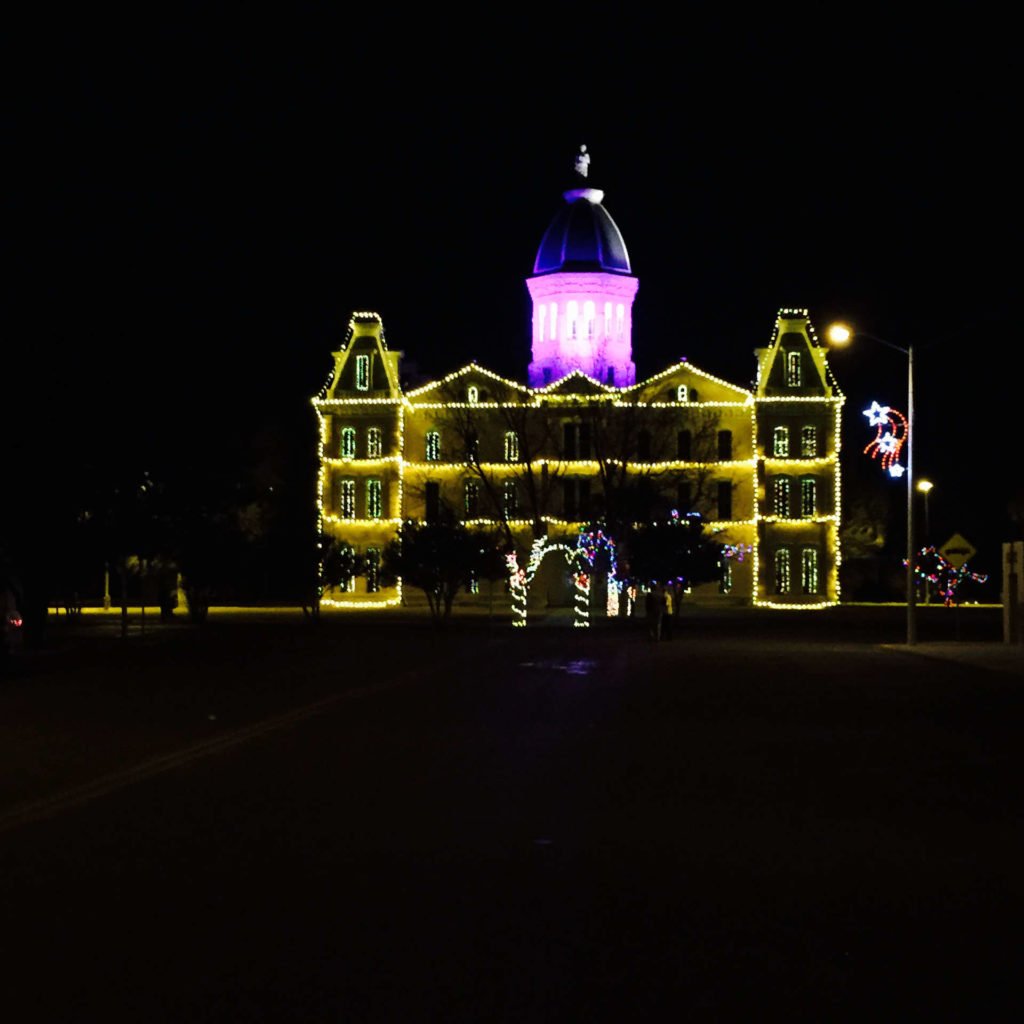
[582,237]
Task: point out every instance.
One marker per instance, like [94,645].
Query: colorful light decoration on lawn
[946,576]
[891,434]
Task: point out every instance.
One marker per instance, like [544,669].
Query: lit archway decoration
[580,560]
[891,430]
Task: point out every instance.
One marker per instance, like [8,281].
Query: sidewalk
[994,656]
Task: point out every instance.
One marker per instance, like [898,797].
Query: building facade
[583,438]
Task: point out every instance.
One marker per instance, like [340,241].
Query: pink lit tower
[582,291]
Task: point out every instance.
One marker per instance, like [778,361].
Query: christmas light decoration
[891,434]
[933,567]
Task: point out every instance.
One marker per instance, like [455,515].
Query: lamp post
[839,334]
[925,487]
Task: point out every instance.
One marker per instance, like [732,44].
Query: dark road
[547,825]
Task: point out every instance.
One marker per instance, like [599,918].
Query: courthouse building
[580,436]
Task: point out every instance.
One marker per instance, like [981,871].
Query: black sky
[203,204]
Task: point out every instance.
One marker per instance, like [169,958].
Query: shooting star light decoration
[891,434]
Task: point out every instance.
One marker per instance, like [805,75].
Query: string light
[744,533]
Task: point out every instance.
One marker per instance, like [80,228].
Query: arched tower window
[348,442]
[780,442]
[782,571]
[472,394]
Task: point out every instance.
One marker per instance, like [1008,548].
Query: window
[682,393]
[588,318]
[782,571]
[808,496]
[511,446]
[472,394]
[569,435]
[362,373]
[643,446]
[683,444]
[471,499]
[575,498]
[610,376]
[725,444]
[809,441]
[572,311]
[684,497]
[553,321]
[793,376]
[374,500]
[347,499]
[433,446]
[374,443]
[620,319]
[348,442]
[780,497]
[509,499]
[780,442]
[809,570]
[432,501]
[541,320]
[472,446]
[372,570]
[724,499]
[607,319]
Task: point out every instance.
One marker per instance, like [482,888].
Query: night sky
[200,207]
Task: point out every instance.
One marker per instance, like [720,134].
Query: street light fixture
[925,487]
[840,334]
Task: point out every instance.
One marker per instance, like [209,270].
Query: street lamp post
[925,487]
[838,334]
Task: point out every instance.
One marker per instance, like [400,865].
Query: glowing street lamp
[840,334]
[925,487]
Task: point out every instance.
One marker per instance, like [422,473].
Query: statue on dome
[582,162]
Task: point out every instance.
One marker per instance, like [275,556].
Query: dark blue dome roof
[582,237]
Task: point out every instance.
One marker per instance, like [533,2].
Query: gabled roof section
[701,387]
[576,383]
[375,379]
[794,365]
[493,385]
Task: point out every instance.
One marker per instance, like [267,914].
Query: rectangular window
[780,442]
[782,571]
[372,570]
[583,448]
[374,499]
[575,499]
[471,499]
[725,444]
[724,499]
[347,499]
[511,446]
[588,318]
[643,446]
[374,443]
[809,441]
[684,498]
[553,321]
[808,496]
[793,376]
[510,498]
[432,502]
[348,442]
[433,445]
[362,373]
[572,312]
[780,497]
[569,431]
[809,570]
[683,445]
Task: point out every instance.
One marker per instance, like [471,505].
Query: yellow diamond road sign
[957,551]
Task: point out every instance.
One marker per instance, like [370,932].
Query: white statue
[582,162]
